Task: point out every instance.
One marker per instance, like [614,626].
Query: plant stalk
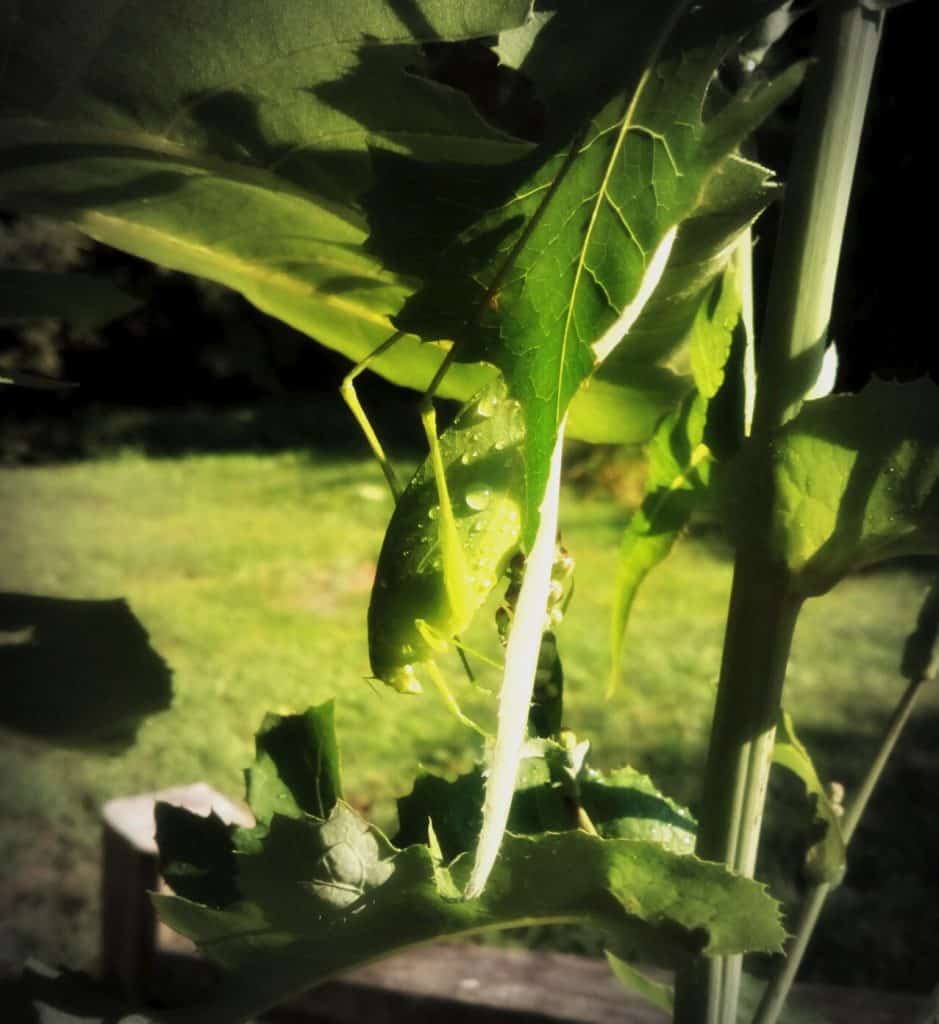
[760,625]
[762,614]
[821,172]
[775,996]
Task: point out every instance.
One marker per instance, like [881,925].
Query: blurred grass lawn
[251,574]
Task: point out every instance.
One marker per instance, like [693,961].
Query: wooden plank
[129,873]
[469,984]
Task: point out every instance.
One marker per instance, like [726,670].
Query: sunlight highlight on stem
[518,682]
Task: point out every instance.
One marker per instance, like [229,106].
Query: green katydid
[453,532]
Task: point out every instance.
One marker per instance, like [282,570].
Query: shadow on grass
[318,423]
[78,673]
[880,927]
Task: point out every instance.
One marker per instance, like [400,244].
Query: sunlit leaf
[538,287]
[680,455]
[314,895]
[856,479]
[230,140]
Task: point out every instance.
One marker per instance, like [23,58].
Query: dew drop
[478,497]
[487,406]
[433,513]
[499,445]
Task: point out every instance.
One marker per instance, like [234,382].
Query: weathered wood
[465,984]
[129,873]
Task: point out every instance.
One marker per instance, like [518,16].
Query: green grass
[251,574]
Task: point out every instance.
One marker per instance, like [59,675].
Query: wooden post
[130,872]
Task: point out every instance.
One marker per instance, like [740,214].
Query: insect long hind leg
[438,642]
[351,398]
[451,547]
[436,677]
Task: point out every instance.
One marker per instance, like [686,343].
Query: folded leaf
[825,859]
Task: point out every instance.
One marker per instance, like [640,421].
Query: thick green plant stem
[805,264]
[762,613]
[760,626]
[774,997]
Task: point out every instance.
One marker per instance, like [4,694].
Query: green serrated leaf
[537,287]
[296,766]
[621,804]
[197,856]
[678,469]
[825,859]
[232,143]
[631,890]
[79,298]
[856,479]
[709,422]
[318,895]
[235,147]
[454,809]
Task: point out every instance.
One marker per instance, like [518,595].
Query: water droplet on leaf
[478,497]
[487,406]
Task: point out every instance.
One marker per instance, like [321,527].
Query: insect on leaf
[412,612]
[541,284]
